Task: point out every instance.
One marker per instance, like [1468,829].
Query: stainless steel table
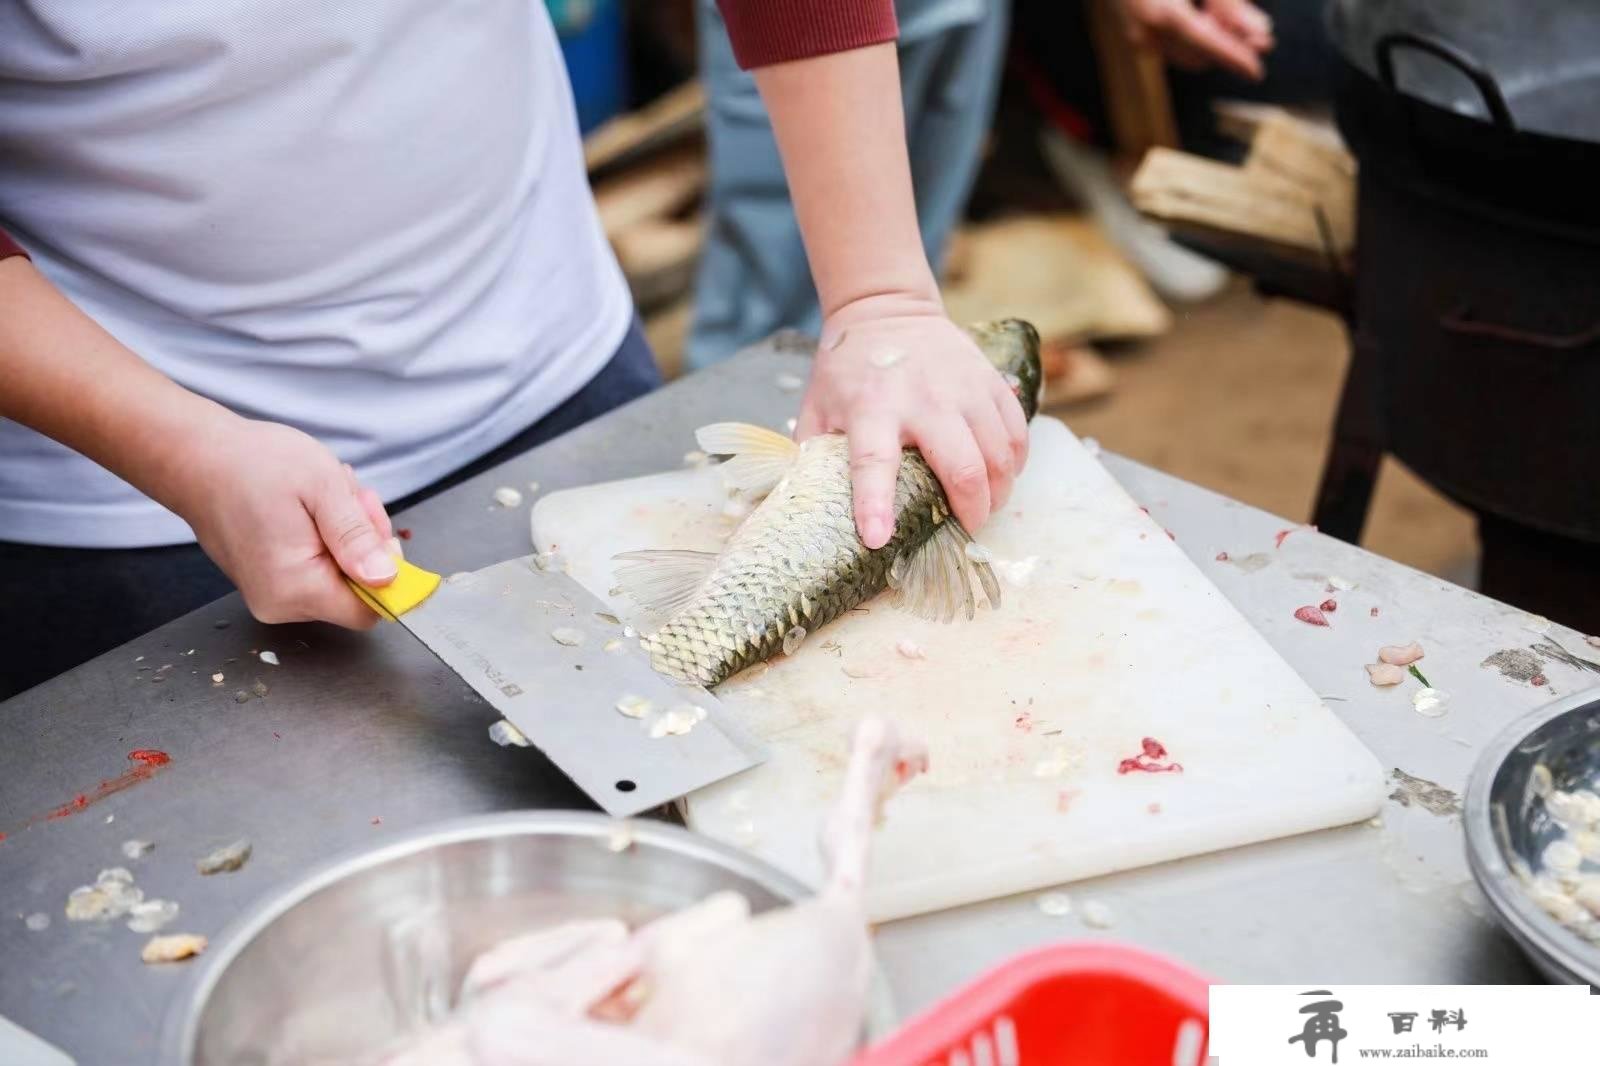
[358,736]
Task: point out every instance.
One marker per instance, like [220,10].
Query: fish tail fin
[932,582]
[761,456]
[662,581]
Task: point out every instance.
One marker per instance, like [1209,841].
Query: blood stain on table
[1149,760]
[148,762]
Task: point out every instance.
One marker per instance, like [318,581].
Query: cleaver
[544,652]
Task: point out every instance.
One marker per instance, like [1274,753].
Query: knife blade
[542,650]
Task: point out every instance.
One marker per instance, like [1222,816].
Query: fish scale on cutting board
[1027,711]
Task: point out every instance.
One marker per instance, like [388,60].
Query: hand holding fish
[894,372]
[798,561]
[893,369]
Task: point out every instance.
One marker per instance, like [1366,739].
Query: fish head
[1012,347]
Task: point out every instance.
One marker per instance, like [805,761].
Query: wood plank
[1260,203]
[671,117]
[654,189]
[658,257]
[1059,272]
[1133,82]
[1290,148]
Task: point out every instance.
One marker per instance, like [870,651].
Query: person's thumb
[352,539]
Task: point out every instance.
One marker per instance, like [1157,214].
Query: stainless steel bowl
[373,946]
[1506,823]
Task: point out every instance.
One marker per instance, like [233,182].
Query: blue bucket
[592,42]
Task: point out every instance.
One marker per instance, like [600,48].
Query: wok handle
[1461,321]
[1493,99]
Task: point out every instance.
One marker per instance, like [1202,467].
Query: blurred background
[1098,152]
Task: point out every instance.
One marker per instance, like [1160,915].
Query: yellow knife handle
[411,585]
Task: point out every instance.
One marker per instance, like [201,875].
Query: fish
[796,562]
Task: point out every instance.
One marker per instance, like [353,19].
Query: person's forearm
[64,376]
[841,131]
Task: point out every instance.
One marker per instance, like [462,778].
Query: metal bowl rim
[1527,923]
[180,1028]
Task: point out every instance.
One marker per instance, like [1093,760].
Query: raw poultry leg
[789,987]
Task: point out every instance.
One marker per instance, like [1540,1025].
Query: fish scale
[783,569]
[796,563]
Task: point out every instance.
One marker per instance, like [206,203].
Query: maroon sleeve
[9,247]
[764,32]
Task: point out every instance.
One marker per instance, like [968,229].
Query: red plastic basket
[1077,1004]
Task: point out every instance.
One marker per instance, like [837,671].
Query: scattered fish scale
[87,904]
[151,915]
[1054,904]
[173,948]
[225,859]
[1432,797]
[678,721]
[1098,915]
[112,895]
[507,735]
[632,706]
[1430,702]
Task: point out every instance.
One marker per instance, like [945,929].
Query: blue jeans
[753,278]
[63,606]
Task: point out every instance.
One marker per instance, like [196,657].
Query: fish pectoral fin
[933,582]
[761,456]
[662,581]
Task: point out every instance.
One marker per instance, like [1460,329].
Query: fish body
[796,562]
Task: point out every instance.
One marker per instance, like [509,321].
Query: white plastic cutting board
[1028,711]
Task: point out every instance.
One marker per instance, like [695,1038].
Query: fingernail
[877,531]
[379,566]
[395,549]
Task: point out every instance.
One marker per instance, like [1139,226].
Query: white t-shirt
[367,219]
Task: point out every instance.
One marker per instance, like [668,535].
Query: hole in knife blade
[626,786]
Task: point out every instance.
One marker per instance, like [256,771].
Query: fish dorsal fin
[662,581]
[761,456]
[932,581]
